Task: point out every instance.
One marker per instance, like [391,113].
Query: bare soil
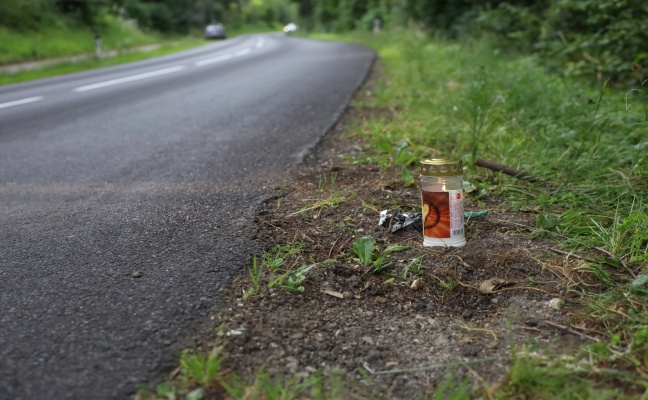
[396,340]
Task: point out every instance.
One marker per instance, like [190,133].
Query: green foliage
[24,15]
[274,259]
[93,62]
[576,37]
[293,279]
[318,386]
[278,264]
[452,390]
[548,221]
[595,38]
[640,286]
[255,272]
[63,39]
[589,156]
[363,247]
[534,377]
[408,178]
[200,368]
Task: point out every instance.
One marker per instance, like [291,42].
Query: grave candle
[442,202]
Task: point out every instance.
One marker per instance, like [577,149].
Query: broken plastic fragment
[236,332]
[475,214]
[396,221]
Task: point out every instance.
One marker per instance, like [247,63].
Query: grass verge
[585,143]
[63,41]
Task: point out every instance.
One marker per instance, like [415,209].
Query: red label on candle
[436,214]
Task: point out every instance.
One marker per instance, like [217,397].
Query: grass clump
[202,375]
[277,267]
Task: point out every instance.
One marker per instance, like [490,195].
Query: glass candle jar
[442,202]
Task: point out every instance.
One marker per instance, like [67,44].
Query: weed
[408,178]
[317,386]
[292,281]
[452,390]
[414,267]
[323,181]
[255,272]
[363,247]
[276,258]
[333,201]
[542,377]
[201,369]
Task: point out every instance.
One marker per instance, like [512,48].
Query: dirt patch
[399,332]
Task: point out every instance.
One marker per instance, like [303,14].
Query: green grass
[64,41]
[464,100]
[585,141]
[201,376]
[93,63]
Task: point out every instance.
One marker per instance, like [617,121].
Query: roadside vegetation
[555,90]
[583,145]
[67,31]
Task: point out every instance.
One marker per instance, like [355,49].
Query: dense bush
[595,38]
[25,15]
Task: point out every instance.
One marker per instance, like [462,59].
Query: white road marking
[224,57]
[129,78]
[260,43]
[213,60]
[19,102]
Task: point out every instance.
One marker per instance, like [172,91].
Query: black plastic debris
[396,221]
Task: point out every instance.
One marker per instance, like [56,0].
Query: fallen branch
[493,166]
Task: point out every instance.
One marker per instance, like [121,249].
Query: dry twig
[492,332]
[493,166]
[569,254]
[572,331]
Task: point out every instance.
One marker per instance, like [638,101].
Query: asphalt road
[153,168]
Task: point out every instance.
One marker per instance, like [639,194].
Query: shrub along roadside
[587,147]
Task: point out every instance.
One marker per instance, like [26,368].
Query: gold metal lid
[441,167]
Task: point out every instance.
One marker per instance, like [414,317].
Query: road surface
[127,196]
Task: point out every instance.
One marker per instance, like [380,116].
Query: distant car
[215,31]
[291,27]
